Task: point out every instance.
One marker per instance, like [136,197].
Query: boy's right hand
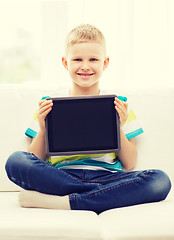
[45,106]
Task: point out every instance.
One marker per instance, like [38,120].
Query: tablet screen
[80,125]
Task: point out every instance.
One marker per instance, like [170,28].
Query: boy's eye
[93,59]
[77,59]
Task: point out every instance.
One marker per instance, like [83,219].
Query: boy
[85,187]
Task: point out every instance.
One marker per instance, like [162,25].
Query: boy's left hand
[121,108]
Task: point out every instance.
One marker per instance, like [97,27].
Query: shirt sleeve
[131,127]
[33,129]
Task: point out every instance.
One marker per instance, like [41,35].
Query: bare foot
[33,199]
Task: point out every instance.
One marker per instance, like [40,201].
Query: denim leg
[123,189]
[31,173]
[88,190]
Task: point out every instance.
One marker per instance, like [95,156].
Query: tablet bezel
[50,153]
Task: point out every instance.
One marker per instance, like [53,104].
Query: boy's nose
[85,66]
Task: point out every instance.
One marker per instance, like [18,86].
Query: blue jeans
[95,190]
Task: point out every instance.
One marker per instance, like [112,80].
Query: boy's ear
[106,63]
[65,62]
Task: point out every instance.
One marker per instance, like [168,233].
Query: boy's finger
[44,102]
[45,113]
[121,103]
[120,113]
[126,105]
[42,110]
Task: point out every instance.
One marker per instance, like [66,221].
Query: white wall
[139,34]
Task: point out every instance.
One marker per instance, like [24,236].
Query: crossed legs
[48,187]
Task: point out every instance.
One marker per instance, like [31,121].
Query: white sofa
[155,110]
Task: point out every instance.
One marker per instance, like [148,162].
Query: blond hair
[82,33]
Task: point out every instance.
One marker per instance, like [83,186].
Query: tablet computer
[83,125]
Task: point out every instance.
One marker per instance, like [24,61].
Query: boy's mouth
[85,75]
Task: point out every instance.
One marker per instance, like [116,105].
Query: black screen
[86,124]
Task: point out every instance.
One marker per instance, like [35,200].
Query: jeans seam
[78,180]
[97,192]
[113,178]
[72,201]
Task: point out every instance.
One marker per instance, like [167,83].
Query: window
[20,41]
[139,36]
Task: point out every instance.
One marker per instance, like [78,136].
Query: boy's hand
[121,108]
[45,106]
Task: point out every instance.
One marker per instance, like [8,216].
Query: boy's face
[86,62]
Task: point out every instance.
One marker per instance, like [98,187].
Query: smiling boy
[85,62]
[86,186]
